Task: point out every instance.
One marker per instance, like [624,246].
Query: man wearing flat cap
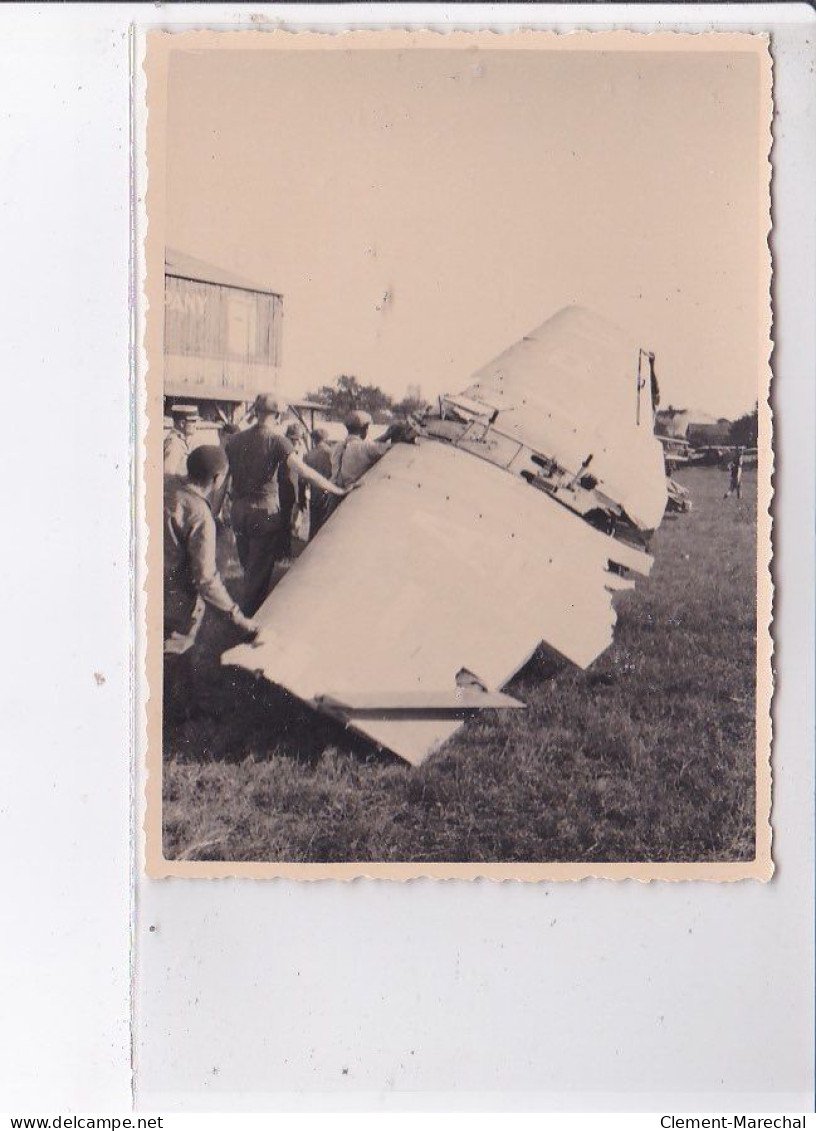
[191,578]
[177,442]
[261,530]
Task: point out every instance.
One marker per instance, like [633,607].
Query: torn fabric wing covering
[574,387]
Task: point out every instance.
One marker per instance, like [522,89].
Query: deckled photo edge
[150,172]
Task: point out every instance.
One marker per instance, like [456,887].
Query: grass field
[647,756]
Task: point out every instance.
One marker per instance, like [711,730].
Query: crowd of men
[257,480]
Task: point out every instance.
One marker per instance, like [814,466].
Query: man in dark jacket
[735,470]
[261,531]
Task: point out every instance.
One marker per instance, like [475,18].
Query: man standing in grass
[735,485]
[319,458]
[292,491]
[191,577]
[261,530]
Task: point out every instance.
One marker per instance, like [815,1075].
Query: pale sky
[481,191]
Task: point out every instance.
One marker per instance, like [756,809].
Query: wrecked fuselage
[521,509]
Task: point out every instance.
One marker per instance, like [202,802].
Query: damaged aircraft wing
[513,520]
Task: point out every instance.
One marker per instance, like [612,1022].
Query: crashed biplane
[524,506]
[676,452]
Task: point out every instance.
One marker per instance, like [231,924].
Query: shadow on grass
[215,713]
[236,715]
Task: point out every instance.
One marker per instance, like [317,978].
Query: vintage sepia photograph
[457,455]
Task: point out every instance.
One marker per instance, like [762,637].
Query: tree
[408,406]
[347,394]
[375,401]
[341,397]
[745,430]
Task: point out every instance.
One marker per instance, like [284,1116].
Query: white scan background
[254,995]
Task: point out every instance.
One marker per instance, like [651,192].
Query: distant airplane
[524,506]
[721,455]
[676,451]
